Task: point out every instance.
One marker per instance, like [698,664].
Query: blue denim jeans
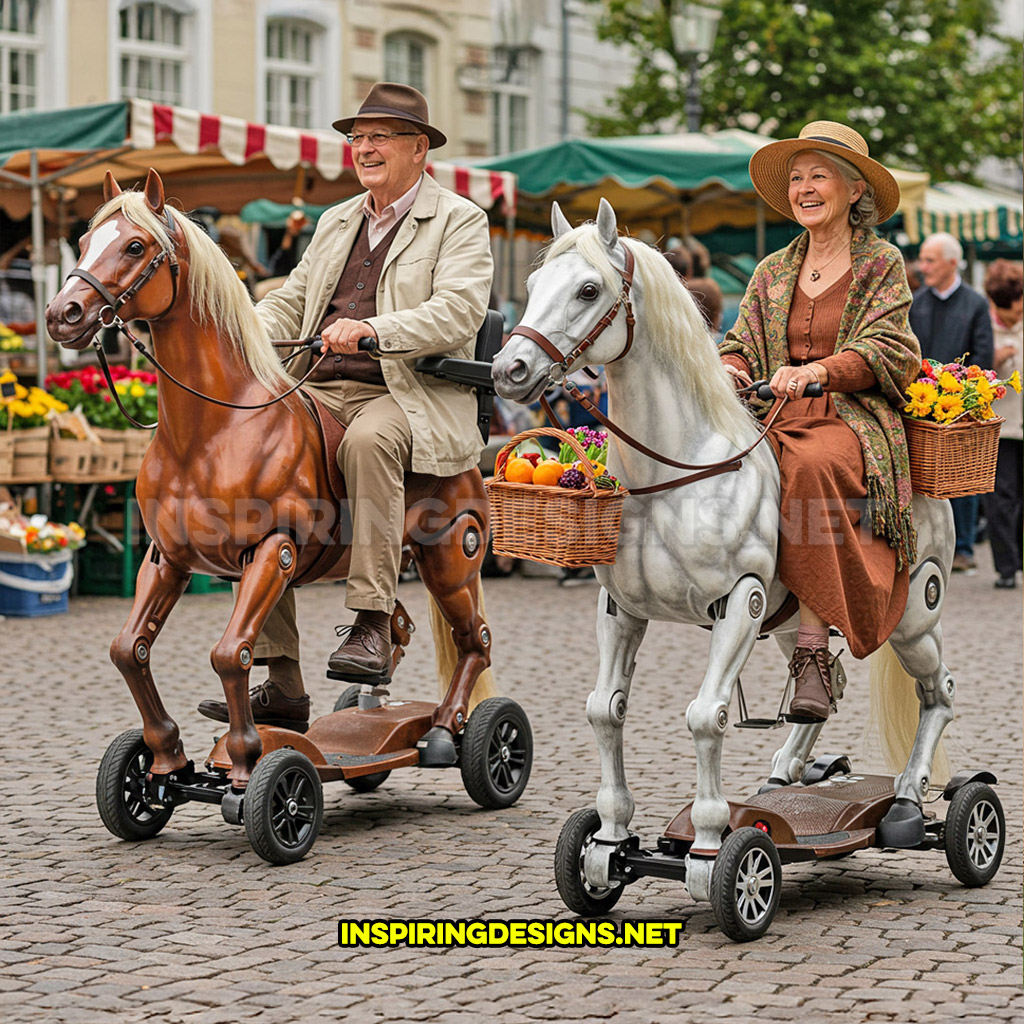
[965,520]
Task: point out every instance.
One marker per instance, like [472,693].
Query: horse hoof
[903,826]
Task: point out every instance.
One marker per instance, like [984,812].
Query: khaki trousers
[374,456]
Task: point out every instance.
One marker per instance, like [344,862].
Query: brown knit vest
[355,298]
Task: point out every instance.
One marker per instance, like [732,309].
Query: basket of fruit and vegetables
[565,509]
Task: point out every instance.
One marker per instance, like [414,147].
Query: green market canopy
[689,183]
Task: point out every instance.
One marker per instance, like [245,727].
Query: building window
[405,60]
[292,53]
[514,68]
[154,53]
[21,44]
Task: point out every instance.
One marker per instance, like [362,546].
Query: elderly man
[408,264]
[950,320]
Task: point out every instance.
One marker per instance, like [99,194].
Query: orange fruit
[548,472]
[519,471]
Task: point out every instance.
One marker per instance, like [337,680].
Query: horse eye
[589,292]
[135,249]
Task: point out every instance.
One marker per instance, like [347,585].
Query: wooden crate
[71,459]
[136,442]
[108,459]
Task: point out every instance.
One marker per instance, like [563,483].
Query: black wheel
[283,807]
[577,893]
[349,698]
[497,753]
[975,834]
[120,789]
[746,883]
[361,783]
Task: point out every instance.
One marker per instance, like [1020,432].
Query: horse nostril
[518,371]
[72,313]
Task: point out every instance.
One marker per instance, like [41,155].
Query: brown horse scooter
[237,483]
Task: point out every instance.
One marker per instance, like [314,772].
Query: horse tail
[446,655]
[895,711]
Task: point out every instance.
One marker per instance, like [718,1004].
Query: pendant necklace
[815,274]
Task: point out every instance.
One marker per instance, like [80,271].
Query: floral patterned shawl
[875,325]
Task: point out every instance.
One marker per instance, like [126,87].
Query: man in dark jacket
[950,320]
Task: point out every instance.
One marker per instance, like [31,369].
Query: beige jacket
[431,299]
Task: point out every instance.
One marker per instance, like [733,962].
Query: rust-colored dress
[828,557]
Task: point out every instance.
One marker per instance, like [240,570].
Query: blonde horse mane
[675,328]
[215,291]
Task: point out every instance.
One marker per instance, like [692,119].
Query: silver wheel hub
[505,753]
[292,808]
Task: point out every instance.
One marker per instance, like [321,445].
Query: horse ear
[154,192]
[110,187]
[559,224]
[607,226]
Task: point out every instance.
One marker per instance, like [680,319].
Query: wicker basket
[554,524]
[951,460]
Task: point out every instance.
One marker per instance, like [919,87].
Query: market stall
[52,165]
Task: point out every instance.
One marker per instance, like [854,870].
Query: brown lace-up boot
[269,707]
[812,681]
[365,656]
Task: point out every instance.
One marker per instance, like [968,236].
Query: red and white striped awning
[239,141]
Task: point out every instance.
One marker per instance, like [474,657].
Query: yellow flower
[922,392]
[20,391]
[120,389]
[8,378]
[919,408]
[985,390]
[1014,381]
[137,391]
[948,407]
[949,383]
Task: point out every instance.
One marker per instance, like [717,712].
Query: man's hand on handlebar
[342,336]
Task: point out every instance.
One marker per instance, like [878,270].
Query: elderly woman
[831,308]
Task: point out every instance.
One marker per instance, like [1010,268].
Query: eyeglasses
[376,138]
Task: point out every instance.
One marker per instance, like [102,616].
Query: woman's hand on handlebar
[791,381]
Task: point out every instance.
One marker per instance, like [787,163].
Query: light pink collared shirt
[378,225]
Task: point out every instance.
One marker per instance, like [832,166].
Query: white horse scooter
[705,554]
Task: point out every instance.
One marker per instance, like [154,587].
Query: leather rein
[114,303]
[562,364]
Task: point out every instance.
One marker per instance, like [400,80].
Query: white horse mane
[215,290]
[674,326]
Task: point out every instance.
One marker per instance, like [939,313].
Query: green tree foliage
[929,83]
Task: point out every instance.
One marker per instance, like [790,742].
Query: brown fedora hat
[402,102]
[769,166]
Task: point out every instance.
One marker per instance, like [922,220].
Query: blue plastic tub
[33,585]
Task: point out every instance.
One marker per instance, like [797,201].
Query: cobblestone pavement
[193,928]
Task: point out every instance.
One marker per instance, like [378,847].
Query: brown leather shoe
[812,680]
[269,707]
[365,656]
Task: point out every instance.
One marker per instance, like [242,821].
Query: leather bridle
[561,366]
[115,303]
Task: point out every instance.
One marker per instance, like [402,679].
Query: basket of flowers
[564,510]
[122,447]
[952,432]
[24,421]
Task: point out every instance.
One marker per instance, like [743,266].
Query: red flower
[928,370]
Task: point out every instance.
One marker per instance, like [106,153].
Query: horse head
[129,266]
[580,294]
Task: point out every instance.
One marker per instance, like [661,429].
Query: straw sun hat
[769,166]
